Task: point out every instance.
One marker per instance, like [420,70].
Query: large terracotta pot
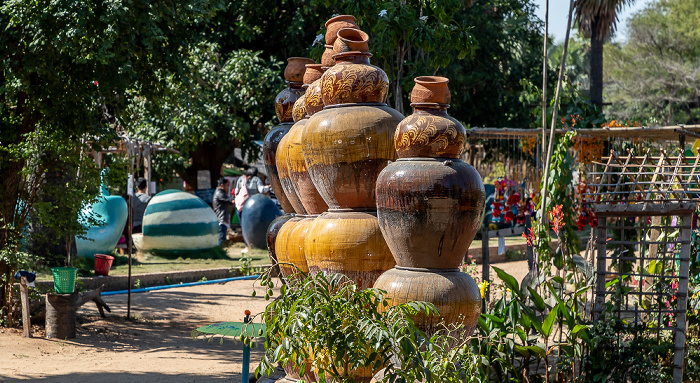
[429,210]
[272,232]
[337,23]
[290,247]
[349,243]
[429,132]
[345,147]
[353,80]
[454,293]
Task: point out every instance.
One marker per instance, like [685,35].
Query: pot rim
[333,106]
[299,58]
[429,105]
[350,54]
[351,18]
[431,80]
[426,270]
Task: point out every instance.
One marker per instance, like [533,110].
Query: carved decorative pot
[454,293]
[345,147]
[348,243]
[429,132]
[314,99]
[353,79]
[337,23]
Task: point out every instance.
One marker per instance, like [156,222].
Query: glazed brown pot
[313,73]
[431,89]
[285,177]
[345,147]
[454,293]
[272,231]
[354,80]
[429,210]
[327,60]
[429,132]
[284,102]
[337,23]
[270,145]
[351,40]
[304,187]
[349,243]
[296,66]
[299,110]
[289,248]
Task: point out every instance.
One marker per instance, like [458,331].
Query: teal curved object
[113,212]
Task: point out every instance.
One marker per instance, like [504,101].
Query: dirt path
[157,347]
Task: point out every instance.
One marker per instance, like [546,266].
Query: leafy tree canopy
[655,75]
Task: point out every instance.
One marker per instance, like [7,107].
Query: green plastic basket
[64,279]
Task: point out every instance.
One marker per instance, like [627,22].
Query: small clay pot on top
[294,72]
[313,73]
[337,23]
[351,40]
[431,89]
[327,60]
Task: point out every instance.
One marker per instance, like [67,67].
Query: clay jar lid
[431,89]
[327,58]
[313,73]
[337,23]
[351,40]
[294,72]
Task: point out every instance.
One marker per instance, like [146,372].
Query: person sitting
[139,203]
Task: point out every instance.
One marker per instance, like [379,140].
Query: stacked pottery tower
[429,205]
[284,103]
[345,147]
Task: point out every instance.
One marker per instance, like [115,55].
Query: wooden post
[24,294]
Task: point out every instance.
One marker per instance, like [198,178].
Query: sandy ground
[155,347]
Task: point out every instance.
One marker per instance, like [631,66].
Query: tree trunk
[208,156]
[596,72]
[61,308]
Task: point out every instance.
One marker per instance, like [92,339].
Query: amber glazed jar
[348,243]
[289,248]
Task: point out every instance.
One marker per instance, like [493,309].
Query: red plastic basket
[103,263]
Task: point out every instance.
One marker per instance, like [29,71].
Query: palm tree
[597,19]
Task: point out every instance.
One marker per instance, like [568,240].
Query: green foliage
[223,101]
[654,75]
[325,326]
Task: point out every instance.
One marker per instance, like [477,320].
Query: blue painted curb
[146,289]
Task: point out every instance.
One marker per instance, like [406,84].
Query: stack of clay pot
[290,239]
[345,147]
[278,175]
[429,205]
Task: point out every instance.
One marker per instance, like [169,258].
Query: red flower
[557,217]
[96,83]
[529,237]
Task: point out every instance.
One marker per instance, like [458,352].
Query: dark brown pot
[351,40]
[454,293]
[349,243]
[431,89]
[296,66]
[327,60]
[429,132]
[345,147]
[284,102]
[270,144]
[353,80]
[337,23]
[429,210]
[272,232]
[305,188]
